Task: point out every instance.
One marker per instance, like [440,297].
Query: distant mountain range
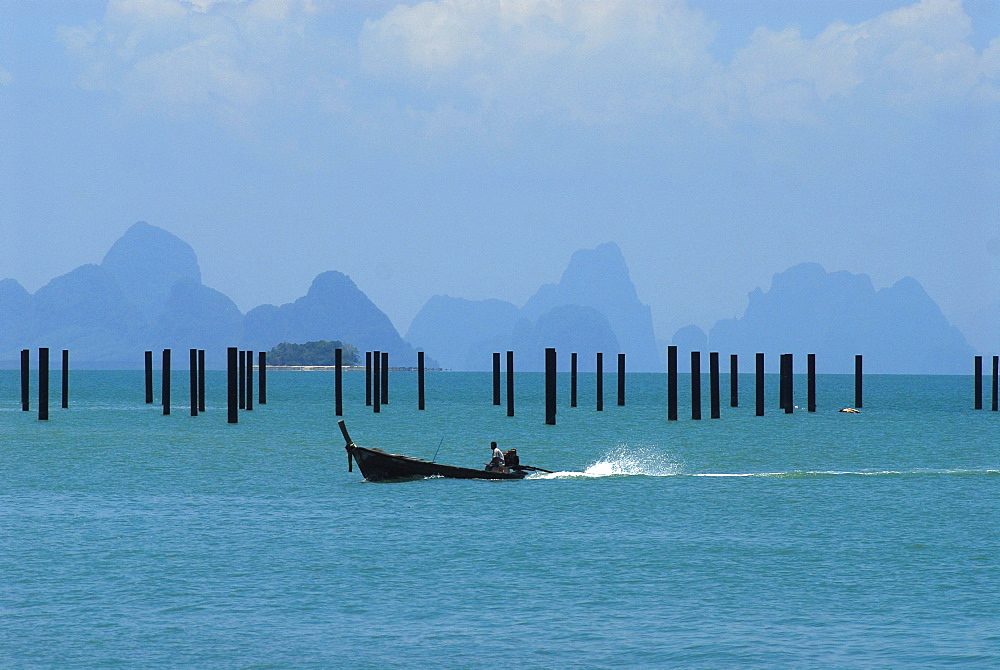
[836,315]
[594,308]
[147,293]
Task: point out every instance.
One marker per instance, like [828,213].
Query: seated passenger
[498,462]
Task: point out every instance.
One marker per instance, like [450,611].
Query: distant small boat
[377,465]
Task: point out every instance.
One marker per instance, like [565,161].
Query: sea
[130,539]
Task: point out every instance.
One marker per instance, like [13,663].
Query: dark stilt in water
[550,386]
[671,383]
[149,377]
[572,379]
[811,381]
[65,378]
[43,384]
[858,376]
[713,377]
[760,384]
[996,382]
[496,378]
[510,383]
[232,384]
[249,357]
[338,381]
[201,380]
[789,385]
[420,382]
[368,379]
[25,379]
[600,382]
[385,377]
[243,378]
[193,374]
[734,381]
[696,385]
[262,377]
[621,380]
[165,381]
[782,381]
[979,382]
[377,382]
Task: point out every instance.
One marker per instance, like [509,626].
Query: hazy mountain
[594,307]
[146,262]
[599,279]
[463,334]
[196,316]
[333,308]
[16,317]
[837,315]
[568,328]
[147,294]
[688,339]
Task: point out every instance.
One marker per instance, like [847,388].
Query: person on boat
[497,463]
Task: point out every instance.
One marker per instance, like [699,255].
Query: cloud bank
[592,63]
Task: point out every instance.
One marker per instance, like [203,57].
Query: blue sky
[469,148]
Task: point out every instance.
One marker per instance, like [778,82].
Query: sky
[468,148]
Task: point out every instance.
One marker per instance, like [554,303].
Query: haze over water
[137,540]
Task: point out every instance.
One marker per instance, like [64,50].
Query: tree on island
[312,353]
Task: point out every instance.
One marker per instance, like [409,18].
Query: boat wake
[624,461]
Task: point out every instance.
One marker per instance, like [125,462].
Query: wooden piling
[243,378]
[671,383]
[262,378]
[420,382]
[249,372]
[25,379]
[43,384]
[165,381]
[789,385]
[338,383]
[734,381]
[760,384]
[232,384]
[979,382]
[572,379]
[201,380]
[65,378]
[996,382]
[621,380]
[696,385]
[193,375]
[811,381]
[149,377]
[550,386]
[376,382]
[510,383]
[368,379]
[600,382]
[858,377]
[385,377]
[496,378]
[782,381]
[713,379]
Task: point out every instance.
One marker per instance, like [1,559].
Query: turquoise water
[129,539]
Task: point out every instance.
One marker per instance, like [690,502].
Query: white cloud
[910,57]
[499,65]
[592,61]
[228,58]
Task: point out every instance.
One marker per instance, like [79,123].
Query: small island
[311,354]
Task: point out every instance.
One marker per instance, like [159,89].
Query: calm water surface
[130,539]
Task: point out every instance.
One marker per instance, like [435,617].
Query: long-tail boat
[378,466]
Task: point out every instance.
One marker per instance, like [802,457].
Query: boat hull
[377,466]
